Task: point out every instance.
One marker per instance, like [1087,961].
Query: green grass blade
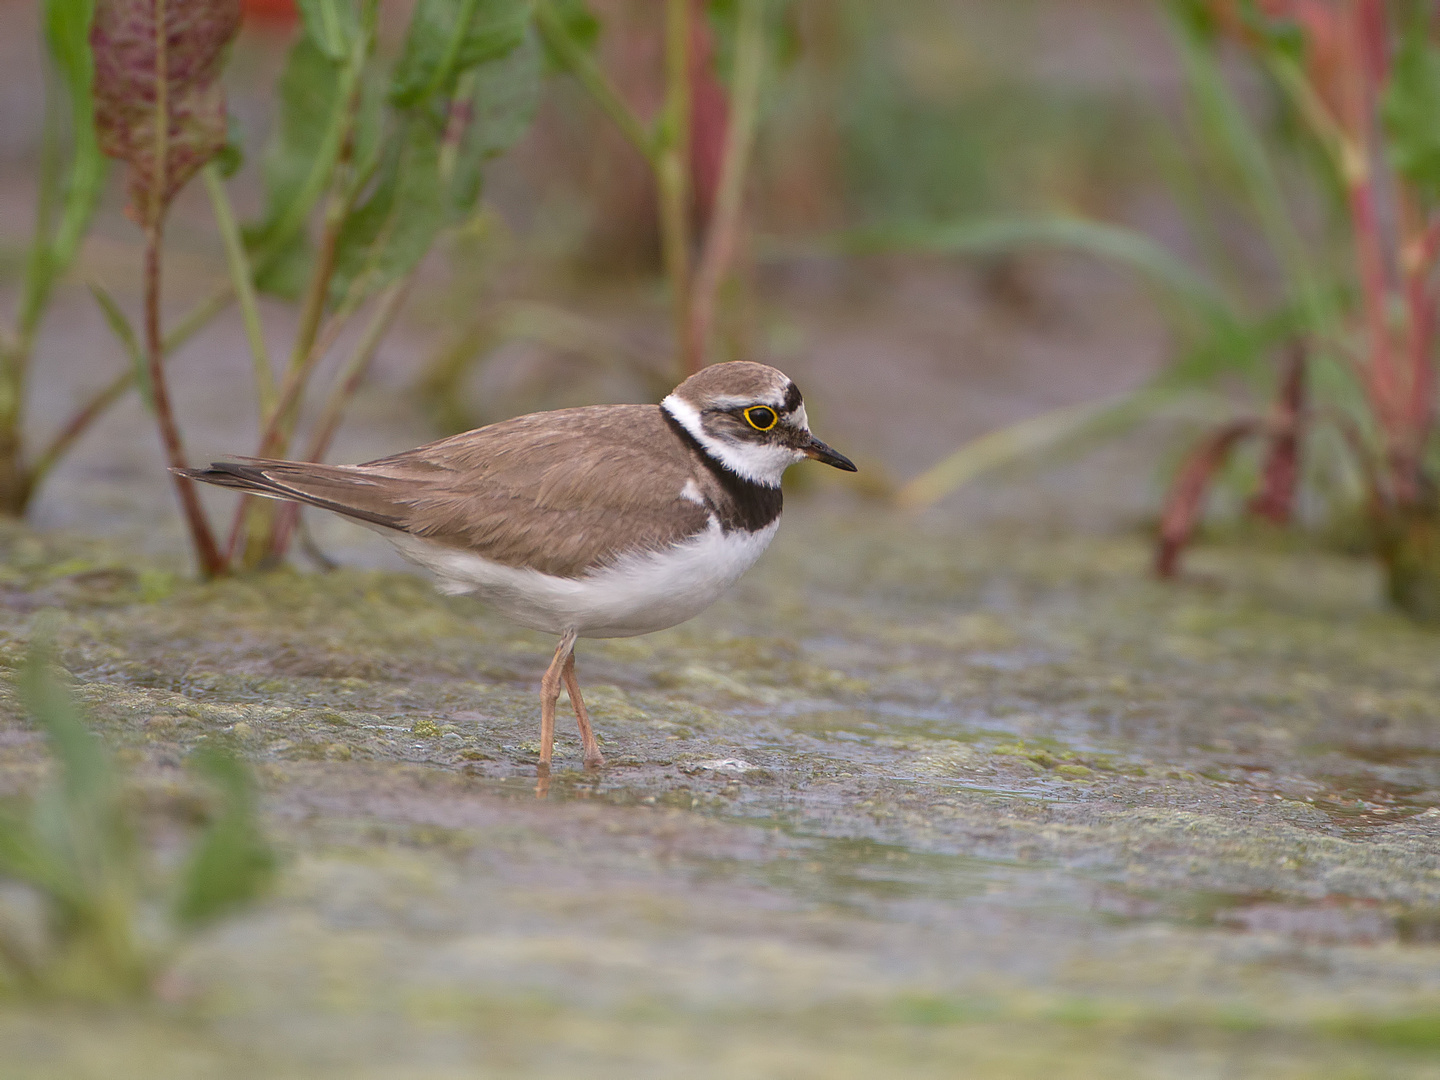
[78,832]
[1035,435]
[995,236]
[21,859]
[333,25]
[1227,128]
[125,334]
[85,767]
[67,32]
[231,863]
[447,38]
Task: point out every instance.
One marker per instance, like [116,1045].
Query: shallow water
[904,801]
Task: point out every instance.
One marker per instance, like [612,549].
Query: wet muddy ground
[915,798]
[966,795]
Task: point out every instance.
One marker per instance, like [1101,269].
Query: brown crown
[739,379]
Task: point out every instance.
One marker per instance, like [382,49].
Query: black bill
[820,452]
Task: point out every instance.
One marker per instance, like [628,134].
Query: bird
[593,522]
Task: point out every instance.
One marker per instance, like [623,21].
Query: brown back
[561,492]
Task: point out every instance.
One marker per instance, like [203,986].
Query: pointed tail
[343,489]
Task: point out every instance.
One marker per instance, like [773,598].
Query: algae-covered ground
[916,800]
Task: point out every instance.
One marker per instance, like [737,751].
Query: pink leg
[550,694]
[593,756]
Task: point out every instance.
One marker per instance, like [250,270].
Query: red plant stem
[312,339]
[350,380]
[1358,91]
[79,422]
[281,423]
[1187,498]
[1401,384]
[1421,302]
[1414,405]
[1380,368]
[206,552]
[1422,395]
[1429,245]
[672,177]
[98,404]
[1280,476]
[1370,22]
[288,398]
[357,369]
[1378,494]
[709,119]
[725,221]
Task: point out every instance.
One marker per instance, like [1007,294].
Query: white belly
[637,594]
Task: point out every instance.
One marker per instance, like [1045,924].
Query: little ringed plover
[605,521]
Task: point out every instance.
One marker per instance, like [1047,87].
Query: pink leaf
[134,63]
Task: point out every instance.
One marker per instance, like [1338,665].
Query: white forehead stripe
[758,463]
[728,401]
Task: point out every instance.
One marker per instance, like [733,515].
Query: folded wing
[561,492]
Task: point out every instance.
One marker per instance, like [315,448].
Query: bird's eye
[761,417]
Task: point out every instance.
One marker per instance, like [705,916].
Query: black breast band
[749,506]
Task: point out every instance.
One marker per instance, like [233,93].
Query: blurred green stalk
[666,148]
[722,232]
[70,179]
[243,281]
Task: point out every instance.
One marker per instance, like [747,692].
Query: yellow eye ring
[761,417]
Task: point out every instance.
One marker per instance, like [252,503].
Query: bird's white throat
[755,462]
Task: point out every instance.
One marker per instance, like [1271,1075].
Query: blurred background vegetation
[1160,181]
[1190,242]
[551,292]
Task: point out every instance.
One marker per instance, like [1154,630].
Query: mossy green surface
[912,802]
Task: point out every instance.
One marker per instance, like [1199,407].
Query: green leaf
[311,90]
[1282,35]
[285,267]
[85,772]
[231,863]
[447,37]
[67,32]
[299,164]
[1230,347]
[24,855]
[577,22]
[21,859]
[232,155]
[332,25]
[782,36]
[82,844]
[388,233]
[502,105]
[125,334]
[1196,18]
[1411,110]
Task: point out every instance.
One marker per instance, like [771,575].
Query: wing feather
[560,492]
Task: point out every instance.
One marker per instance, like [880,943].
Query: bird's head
[751,418]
